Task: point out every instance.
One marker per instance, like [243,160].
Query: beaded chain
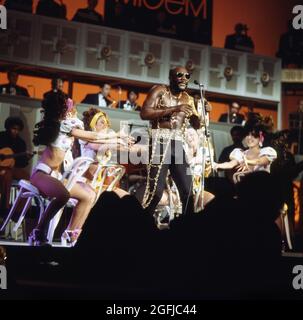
[149,194]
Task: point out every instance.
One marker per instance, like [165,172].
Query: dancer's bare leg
[86,197]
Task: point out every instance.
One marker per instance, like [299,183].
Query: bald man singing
[170,110]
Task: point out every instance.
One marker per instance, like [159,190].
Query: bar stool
[30,192]
[74,174]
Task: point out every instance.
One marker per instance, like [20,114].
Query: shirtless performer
[170,109]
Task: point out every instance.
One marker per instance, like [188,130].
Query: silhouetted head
[237,134]
[261,195]
[57,84]
[240,29]
[92,4]
[12,77]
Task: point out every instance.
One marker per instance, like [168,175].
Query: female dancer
[98,121]
[255,158]
[57,131]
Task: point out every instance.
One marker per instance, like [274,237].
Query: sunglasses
[182,74]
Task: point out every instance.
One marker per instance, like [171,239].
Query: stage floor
[9,243]
[12,243]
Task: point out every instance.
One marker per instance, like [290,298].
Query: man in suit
[100,99]
[233,116]
[89,14]
[130,104]
[11,87]
[57,85]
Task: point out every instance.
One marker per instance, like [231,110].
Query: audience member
[291,47]
[89,14]
[11,87]
[51,8]
[233,116]
[100,99]
[237,134]
[131,103]
[239,40]
[57,85]
[119,16]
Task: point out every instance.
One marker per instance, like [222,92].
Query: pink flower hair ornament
[69,104]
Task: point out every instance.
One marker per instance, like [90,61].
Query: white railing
[100,51]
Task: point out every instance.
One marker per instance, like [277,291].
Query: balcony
[101,52]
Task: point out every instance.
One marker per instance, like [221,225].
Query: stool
[29,192]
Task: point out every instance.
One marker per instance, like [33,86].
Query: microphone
[201,85]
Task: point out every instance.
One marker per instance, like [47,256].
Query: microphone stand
[206,138]
[119,95]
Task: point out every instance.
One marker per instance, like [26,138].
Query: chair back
[76,172]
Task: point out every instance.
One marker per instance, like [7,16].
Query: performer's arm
[263,161]
[150,112]
[92,136]
[226,165]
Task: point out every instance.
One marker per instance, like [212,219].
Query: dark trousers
[176,163]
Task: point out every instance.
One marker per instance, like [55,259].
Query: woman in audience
[57,131]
